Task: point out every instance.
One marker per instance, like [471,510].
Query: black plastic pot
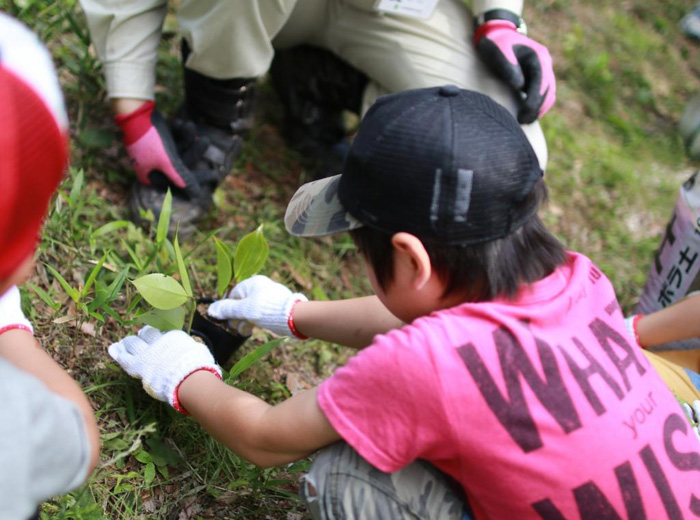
[222,343]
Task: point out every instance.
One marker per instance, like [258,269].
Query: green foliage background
[616,162]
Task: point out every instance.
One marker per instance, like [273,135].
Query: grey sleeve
[44,450]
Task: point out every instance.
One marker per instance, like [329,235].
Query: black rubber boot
[213,120]
[315,88]
[208,131]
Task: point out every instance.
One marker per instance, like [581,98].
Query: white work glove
[261,301]
[11,315]
[692,411]
[162,361]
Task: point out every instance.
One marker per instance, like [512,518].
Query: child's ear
[411,257]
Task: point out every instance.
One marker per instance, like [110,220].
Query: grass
[616,162]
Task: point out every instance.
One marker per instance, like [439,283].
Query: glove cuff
[175,398]
[280,324]
[631,324]
[134,125]
[11,315]
[25,325]
[290,321]
[485,28]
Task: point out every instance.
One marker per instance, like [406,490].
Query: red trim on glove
[492,25]
[176,397]
[635,320]
[15,326]
[135,124]
[290,323]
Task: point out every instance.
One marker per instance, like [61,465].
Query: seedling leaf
[224,267]
[161,291]
[164,218]
[171,319]
[251,254]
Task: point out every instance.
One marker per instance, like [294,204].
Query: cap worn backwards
[445,164]
[33,140]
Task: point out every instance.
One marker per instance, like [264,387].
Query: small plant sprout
[174,304]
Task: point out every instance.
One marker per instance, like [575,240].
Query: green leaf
[109,227]
[77,188]
[162,454]
[44,296]
[251,358]
[224,268]
[164,320]
[251,254]
[143,457]
[73,293]
[161,291]
[184,277]
[164,218]
[110,293]
[93,274]
[138,263]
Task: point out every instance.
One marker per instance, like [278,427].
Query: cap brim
[315,210]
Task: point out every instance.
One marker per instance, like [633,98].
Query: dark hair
[482,272]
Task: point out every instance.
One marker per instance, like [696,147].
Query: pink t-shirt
[540,408]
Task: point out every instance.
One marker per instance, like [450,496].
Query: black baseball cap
[448,165]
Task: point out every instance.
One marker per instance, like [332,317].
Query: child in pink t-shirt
[498,379]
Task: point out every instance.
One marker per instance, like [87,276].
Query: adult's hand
[521,62]
[261,301]
[152,150]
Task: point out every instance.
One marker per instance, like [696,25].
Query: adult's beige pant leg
[232,38]
[399,53]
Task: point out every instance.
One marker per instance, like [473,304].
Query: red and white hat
[33,140]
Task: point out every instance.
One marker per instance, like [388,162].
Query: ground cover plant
[624,73]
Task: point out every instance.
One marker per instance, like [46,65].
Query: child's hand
[162,361]
[11,315]
[261,301]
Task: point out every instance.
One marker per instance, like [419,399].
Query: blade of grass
[251,358]
[164,218]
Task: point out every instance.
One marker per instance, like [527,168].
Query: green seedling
[173,301]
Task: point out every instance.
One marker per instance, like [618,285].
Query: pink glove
[522,63]
[151,149]
[11,315]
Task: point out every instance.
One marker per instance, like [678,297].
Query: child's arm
[262,434]
[352,323]
[176,369]
[272,306]
[21,349]
[18,346]
[679,321]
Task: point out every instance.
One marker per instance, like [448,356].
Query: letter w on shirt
[512,411]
